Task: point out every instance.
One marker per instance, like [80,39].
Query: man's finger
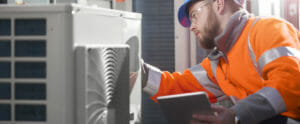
[218,109]
[204,118]
[133,74]
[132,80]
[193,121]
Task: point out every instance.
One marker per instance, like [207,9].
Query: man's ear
[220,6]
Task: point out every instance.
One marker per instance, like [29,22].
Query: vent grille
[107,87]
[23,70]
[110,73]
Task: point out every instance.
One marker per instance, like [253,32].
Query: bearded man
[253,59]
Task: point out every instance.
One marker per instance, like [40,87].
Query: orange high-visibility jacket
[263,60]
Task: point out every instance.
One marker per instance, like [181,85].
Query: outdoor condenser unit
[40,67]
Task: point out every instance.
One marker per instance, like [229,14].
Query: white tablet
[178,109]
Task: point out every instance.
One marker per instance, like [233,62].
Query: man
[256,60]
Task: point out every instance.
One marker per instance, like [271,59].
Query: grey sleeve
[151,77]
[260,106]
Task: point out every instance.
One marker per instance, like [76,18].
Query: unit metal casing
[66,27]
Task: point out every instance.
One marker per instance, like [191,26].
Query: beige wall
[182,42]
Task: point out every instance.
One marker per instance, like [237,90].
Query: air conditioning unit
[38,60]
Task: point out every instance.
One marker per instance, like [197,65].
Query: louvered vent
[110,73]
[107,87]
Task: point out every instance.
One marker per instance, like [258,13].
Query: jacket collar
[228,37]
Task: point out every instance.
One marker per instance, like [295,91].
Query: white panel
[90,28]
[193,50]
[269,8]
[60,65]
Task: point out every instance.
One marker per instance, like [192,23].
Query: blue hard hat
[183,16]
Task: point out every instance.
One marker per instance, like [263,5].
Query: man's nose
[192,27]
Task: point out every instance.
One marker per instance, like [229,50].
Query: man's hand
[133,76]
[223,116]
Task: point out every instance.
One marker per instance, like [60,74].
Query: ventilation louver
[104,83]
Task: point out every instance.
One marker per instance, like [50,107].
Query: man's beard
[209,32]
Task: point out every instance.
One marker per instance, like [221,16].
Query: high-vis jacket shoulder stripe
[251,53]
[274,54]
[201,75]
[213,66]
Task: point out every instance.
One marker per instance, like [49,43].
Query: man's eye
[193,15]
